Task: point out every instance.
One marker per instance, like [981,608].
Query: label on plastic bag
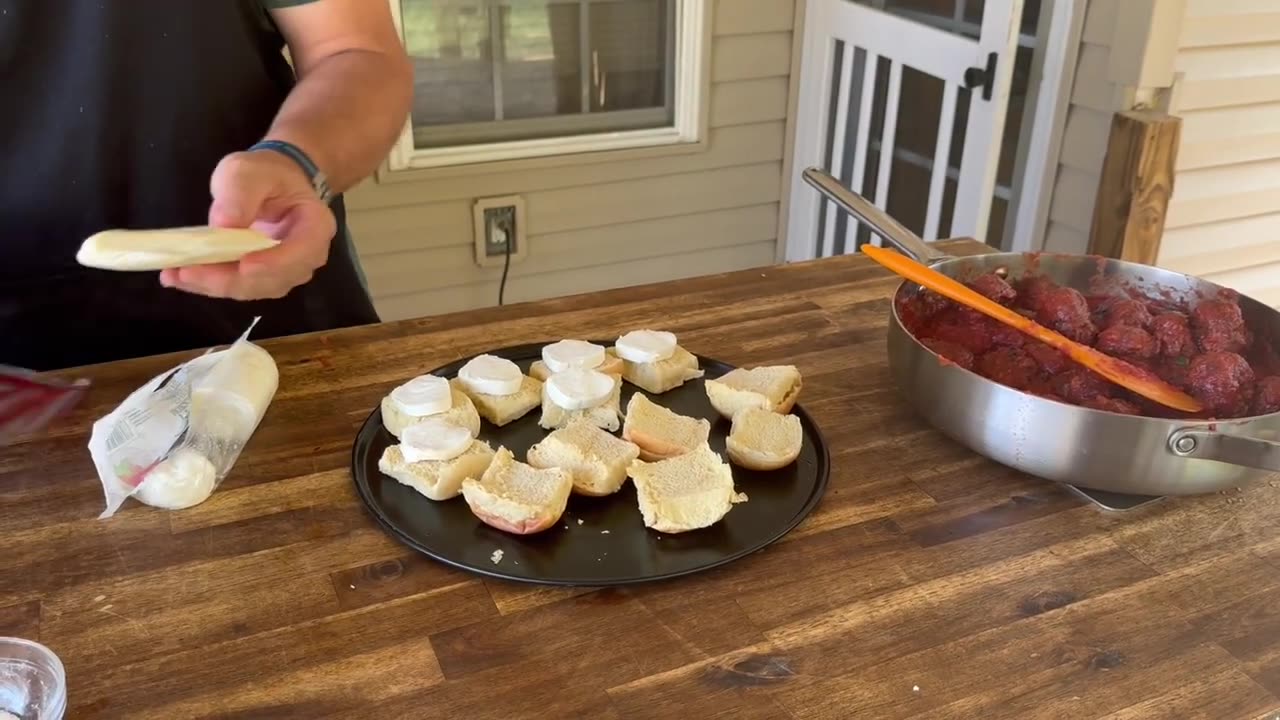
[147,428]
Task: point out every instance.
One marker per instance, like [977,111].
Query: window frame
[690,89]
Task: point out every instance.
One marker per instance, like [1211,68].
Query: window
[507,79]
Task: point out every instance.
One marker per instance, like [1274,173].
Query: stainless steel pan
[1053,440]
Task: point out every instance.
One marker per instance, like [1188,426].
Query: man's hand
[266,191]
[351,103]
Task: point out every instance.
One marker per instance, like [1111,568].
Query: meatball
[1128,313]
[995,288]
[1008,366]
[1002,334]
[1065,310]
[1264,358]
[967,331]
[1079,386]
[1115,405]
[1219,326]
[1172,370]
[1266,396]
[950,351]
[931,303]
[1126,341]
[1173,335]
[1033,290]
[1222,382]
[1050,360]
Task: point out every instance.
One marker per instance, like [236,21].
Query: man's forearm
[346,113]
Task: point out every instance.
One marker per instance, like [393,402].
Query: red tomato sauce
[1204,348]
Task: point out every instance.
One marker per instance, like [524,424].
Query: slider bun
[663,375]
[764,440]
[659,432]
[612,366]
[606,415]
[518,498]
[692,491]
[597,460]
[463,414]
[437,479]
[503,409]
[774,388]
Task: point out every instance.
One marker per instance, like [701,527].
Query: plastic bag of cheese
[172,441]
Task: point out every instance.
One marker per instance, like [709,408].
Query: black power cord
[506,268]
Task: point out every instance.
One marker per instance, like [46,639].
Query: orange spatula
[1113,369]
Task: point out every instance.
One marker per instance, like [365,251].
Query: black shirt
[116,114]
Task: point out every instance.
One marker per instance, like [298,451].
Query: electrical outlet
[499,230]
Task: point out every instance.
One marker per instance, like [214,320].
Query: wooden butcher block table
[929,582]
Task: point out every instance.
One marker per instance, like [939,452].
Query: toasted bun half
[503,409]
[437,479]
[659,432]
[606,415]
[692,491]
[764,440]
[659,377]
[597,460]
[518,498]
[463,413]
[774,388]
[612,365]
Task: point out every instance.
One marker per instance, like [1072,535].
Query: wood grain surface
[929,582]
[1136,186]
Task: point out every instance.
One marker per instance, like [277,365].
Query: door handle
[980,77]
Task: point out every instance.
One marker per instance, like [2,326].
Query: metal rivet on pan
[1184,444]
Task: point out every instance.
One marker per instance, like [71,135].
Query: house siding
[1224,217]
[1121,47]
[599,225]
[1215,64]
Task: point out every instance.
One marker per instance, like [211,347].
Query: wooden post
[1137,181]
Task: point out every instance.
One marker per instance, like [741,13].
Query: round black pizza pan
[598,542]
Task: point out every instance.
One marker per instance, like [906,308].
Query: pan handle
[1234,449]
[875,218]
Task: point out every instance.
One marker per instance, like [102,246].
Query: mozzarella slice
[433,439]
[560,356]
[579,388]
[422,396]
[491,375]
[646,346]
[174,247]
